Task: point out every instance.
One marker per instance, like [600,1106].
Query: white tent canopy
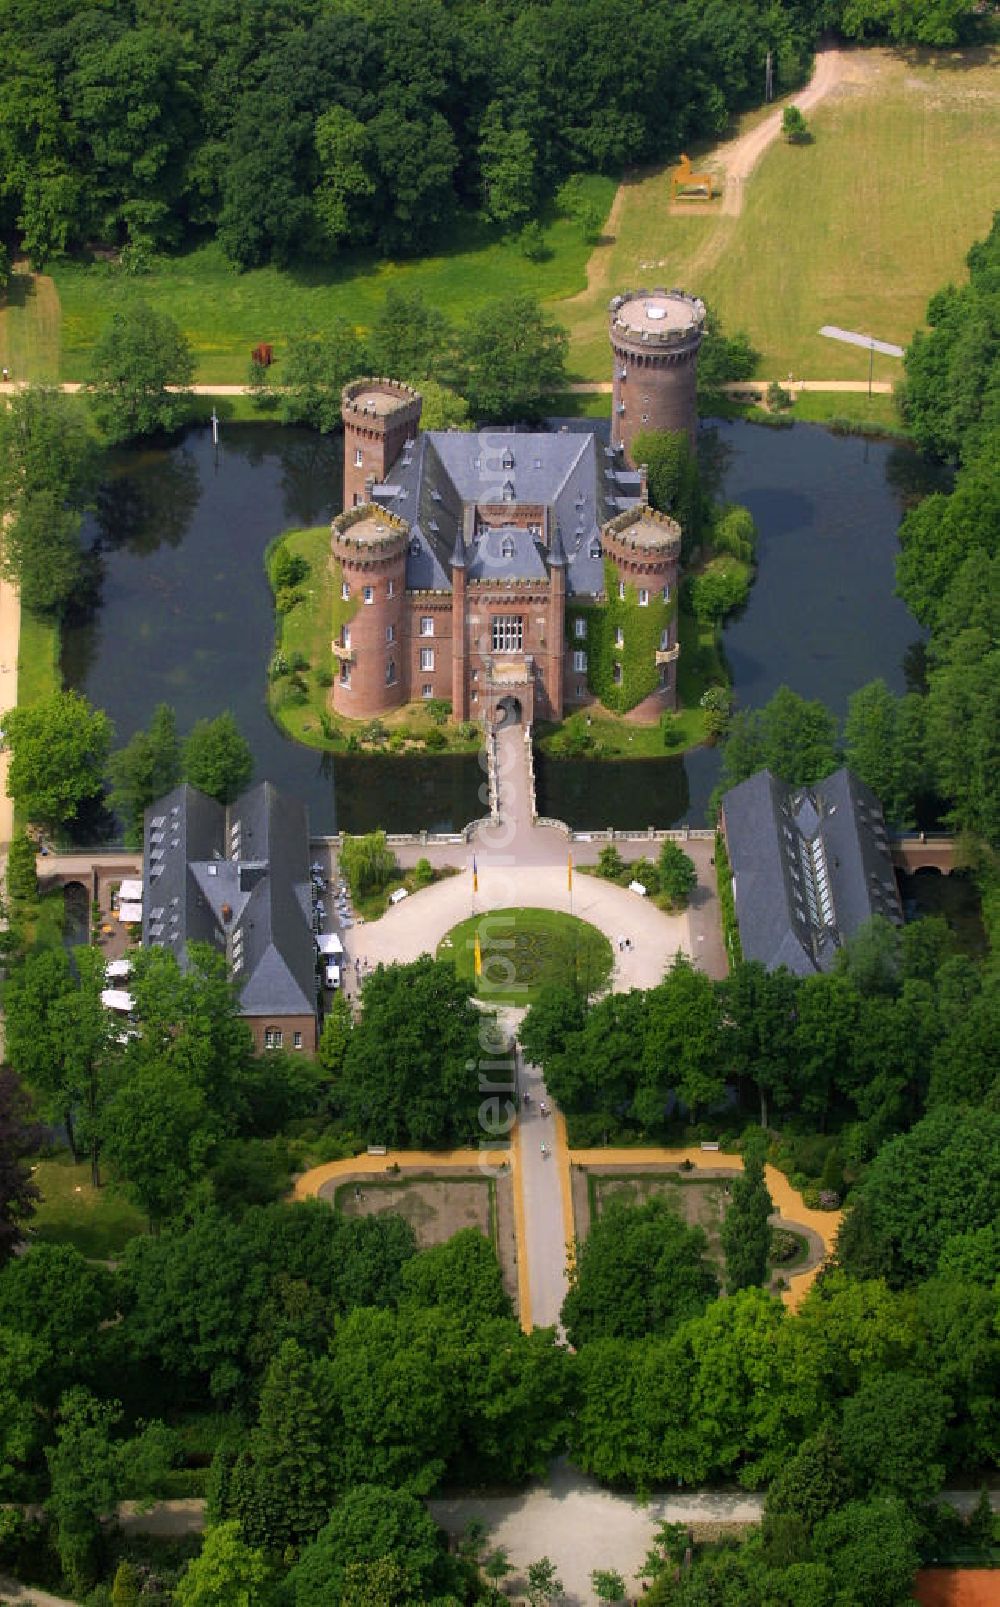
[130,891]
[117,999]
[329,943]
[117,968]
[131,914]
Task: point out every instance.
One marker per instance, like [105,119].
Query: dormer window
[508,490]
[595,548]
[414,547]
[508,458]
[507,547]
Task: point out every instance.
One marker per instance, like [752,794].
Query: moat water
[185,616]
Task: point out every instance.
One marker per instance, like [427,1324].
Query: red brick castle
[507,571]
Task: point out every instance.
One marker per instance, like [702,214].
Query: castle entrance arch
[509,712]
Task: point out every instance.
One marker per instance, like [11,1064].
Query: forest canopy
[300,128]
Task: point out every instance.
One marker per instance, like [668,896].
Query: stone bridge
[924,852]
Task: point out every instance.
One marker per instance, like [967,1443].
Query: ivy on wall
[641,629]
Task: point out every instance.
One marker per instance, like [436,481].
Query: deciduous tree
[140,369]
[217,758]
[59,749]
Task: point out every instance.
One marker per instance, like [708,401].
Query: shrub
[423,873]
[784,1246]
[323,677]
[375,733]
[672,729]
[298,662]
[533,244]
[778,399]
[794,127]
[610,863]
[287,569]
[286,598]
[678,876]
[439,709]
[278,665]
[436,739]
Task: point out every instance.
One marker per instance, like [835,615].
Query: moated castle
[515,574]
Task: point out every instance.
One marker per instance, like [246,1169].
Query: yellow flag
[478,957]
[569,870]
[475,875]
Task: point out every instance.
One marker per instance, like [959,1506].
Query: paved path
[544,1185]
[582,1526]
[520,864]
[879,387]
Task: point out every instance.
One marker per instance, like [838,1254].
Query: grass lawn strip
[97,1222]
[857,229]
[225,315]
[525,950]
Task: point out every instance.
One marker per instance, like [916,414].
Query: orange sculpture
[682,178]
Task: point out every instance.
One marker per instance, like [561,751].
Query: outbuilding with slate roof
[810,865]
[237,878]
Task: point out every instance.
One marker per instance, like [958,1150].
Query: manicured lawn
[225,314]
[307,629]
[98,1222]
[525,950]
[38,674]
[857,229]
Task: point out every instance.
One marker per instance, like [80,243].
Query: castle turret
[655,336]
[645,548]
[380,416]
[370,546]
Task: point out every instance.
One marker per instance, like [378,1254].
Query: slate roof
[810,865]
[582,481]
[236,878]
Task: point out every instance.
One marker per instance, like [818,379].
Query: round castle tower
[380,416]
[370,546]
[645,548]
[655,335]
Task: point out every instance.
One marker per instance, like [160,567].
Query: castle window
[359,458]
[666,594]
[507,547]
[390,633]
[645,418]
[369,594]
[427,658]
[508,633]
[428,690]
[664,640]
[390,672]
[621,591]
[390,588]
[619,636]
[579,662]
[427,625]
[273,1037]
[345,674]
[345,591]
[643,597]
[296,1040]
[345,636]
[508,458]
[579,628]
[617,674]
